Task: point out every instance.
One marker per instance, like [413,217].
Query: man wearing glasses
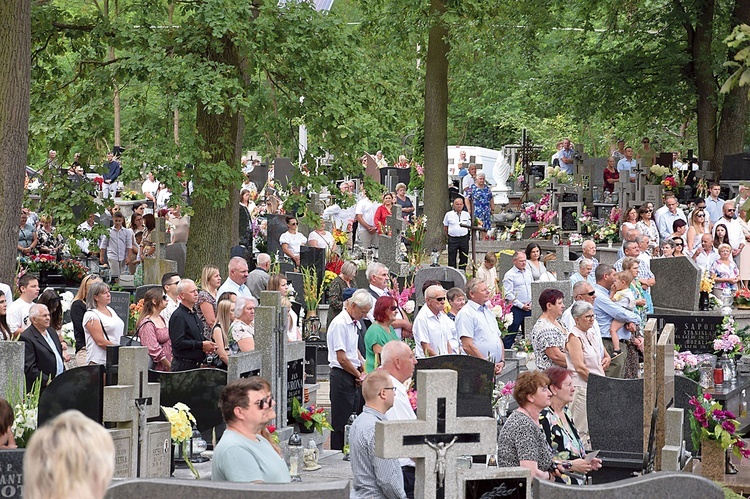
[433,329]
[666,220]
[169,282]
[346,363]
[243,454]
[374,476]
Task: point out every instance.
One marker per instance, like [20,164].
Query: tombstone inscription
[695,333]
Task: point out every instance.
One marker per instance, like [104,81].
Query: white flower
[508,320]
[409,306]
[66,299]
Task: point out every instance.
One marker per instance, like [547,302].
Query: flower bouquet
[403,297]
[272,431]
[130,196]
[687,363]
[310,418]
[742,298]
[73,270]
[709,421]
[181,420]
[25,411]
[415,233]
[501,308]
[575,239]
[135,313]
[501,397]
[728,341]
[313,290]
[707,282]
[657,173]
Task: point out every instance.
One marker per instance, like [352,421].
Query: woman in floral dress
[480,199]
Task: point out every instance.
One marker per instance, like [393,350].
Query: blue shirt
[607,311]
[479,323]
[517,286]
[566,167]
[715,209]
[625,165]
[666,221]
[230,286]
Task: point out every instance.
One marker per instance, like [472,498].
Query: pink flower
[707,396]
[508,388]
[728,426]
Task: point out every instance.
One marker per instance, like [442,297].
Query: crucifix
[472,230]
[437,436]
[528,152]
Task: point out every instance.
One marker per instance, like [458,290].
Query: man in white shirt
[86,226]
[398,361]
[517,288]
[118,246]
[235,283]
[18,312]
[667,218]
[432,326]
[477,326]
[364,214]
[627,164]
[149,188]
[468,180]
[705,255]
[588,249]
[458,237]
[378,276]
[169,282]
[743,195]
[734,229]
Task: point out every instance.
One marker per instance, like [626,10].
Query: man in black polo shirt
[186,331]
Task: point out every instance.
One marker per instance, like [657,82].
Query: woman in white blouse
[291,240]
[101,324]
[321,238]
[647,227]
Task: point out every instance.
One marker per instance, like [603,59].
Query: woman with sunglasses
[380,332]
[246,452]
[291,240]
[679,246]
[695,230]
[647,227]
[153,330]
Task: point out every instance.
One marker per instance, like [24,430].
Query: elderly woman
[521,441]
[383,212]
[380,332]
[70,453]
[27,237]
[50,243]
[278,282]
[584,356]
[407,207]
[667,249]
[242,330]
[291,240]
[481,201]
[153,330]
[561,433]
[101,324]
[549,335]
[647,227]
[585,266]
[335,290]
[727,273]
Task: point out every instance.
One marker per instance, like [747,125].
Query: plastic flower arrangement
[501,396]
[687,362]
[181,420]
[501,308]
[415,233]
[707,282]
[340,237]
[709,421]
[272,430]
[742,298]
[403,298]
[135,312]
[310,417]
[311,288]
[73,270]
[130,195]
[727,342]
[575,238]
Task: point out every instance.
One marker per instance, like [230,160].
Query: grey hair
[482,175]
[235,261]
[640,238]
[97,288]
[349,268]
[579,308]
[36,310]
[472,285]
[628,244]
[585,261]
[431,290]
[361,298]
[373,268]
[578,287]
[239,304]
[183,284]
[263,258]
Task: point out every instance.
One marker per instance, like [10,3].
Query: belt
[459,237]
[408,468]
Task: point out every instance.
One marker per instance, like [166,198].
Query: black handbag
[133,341]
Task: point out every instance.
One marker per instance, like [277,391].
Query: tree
[15,82]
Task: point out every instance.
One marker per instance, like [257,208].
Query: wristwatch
[567,465]
[616,351]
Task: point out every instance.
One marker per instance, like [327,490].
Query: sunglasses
[394,308]
[164,297]
[262,403]
[701,215]
[729,210]
[590,293]
[292,223]
[440,299]
[678,244]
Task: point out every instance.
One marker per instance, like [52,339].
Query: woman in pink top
[153,331]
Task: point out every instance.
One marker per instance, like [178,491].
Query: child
[488,273]
[6,426]
[623,296]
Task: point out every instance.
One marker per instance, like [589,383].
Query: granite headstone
[475,381]
[81,388]
[11,473]
[672,274]
[202,489]
[443,274]
[661,484]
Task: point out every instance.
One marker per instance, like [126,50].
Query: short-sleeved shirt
[239,331]
[478,322]
[627,166]
[547,335]
[239,459]
[453,221]
[376,335]
[522,439]
[112,327]
[293,240]
[343,335]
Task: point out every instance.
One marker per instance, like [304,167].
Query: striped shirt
[372,476]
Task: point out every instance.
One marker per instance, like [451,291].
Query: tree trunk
[733,124]
[15,84]
[436,130]
[705,83]
[213,229]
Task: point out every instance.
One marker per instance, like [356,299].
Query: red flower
[271,428]
[707,396]
[306,416]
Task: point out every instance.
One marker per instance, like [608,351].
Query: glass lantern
[727,300]
[295,457]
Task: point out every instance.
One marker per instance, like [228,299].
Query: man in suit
[44,355]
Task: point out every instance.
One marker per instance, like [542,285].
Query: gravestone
[81,388]
[295,279]
[475,381]
[511,483]
[504,264]
[282,172]
[692,332]
[129,404]
[653,194]
[615,413]
[141,291]
[244,365]
[389,247]
[562,266]
[259,176]
[371,167]
[536,290]
[177,252]
[11,473]
[181,387]
[684,389]
[157,265]
[121,305]
[446,275]
[437,437]
[12,373]
[315,258]
[206,489]
[567,214]
[672,274]
[664,380]
[276,226]
[653,485]
[672,451]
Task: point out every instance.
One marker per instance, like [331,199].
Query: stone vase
[713,459]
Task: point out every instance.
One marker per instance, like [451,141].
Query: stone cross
[437,437]
[156,266]
[129,404]
[624,189]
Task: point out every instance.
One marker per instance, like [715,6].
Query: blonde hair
[625,276]
[83,288]
[224,318]
[374,383]
[71,453]
[207,274]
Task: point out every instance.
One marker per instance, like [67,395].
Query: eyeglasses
[262,403]
[590,293]
[173,283]
[649,211]
[678,244]
[701,215]
[164,297]
[394,308]
[440,298]
[588,316]
[392,388]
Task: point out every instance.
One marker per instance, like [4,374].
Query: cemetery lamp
[295,457]
[347,431]
[727,299]
[197,446]
[434,258]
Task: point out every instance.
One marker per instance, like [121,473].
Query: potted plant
[715,431]
[309,419]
